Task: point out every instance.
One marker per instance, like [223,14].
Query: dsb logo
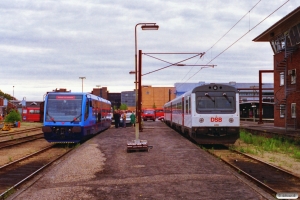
[216,119]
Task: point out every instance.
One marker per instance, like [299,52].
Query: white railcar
[209,114]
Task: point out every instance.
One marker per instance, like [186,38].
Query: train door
[182,111]
[187,111]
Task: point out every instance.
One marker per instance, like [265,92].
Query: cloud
[49,44]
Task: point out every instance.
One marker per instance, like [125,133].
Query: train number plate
[216,119]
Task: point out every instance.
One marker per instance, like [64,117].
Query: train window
[205,103]
[224,103]
[63,108]
[187,106]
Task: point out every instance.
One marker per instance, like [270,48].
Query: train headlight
[231,120]
[201,120]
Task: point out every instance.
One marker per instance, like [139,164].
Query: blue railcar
[73,117]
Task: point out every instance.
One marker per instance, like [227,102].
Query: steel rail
[4,194]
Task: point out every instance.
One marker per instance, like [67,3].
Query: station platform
[268,129]
[174,168]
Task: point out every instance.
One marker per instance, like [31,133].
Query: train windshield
[65,108]
[214,103]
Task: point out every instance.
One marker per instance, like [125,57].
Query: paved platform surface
[175,168]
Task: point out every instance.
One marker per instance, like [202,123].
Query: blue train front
[74,117]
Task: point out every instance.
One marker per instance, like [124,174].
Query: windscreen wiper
[225,95]
[75,118]
[51,118]
[206,94]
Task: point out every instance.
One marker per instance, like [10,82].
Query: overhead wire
[225,34]
[238,38]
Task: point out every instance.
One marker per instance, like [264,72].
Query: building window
[281,78]
[293,110]
[282,111]
[293,76]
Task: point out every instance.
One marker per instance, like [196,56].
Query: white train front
[209,114]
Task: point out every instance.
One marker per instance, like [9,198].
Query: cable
[226,34]
[240,38]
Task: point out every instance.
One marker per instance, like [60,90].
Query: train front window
[205,103]
[64,108]
[224,103]
[215,103]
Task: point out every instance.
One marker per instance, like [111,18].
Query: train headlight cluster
[231,120]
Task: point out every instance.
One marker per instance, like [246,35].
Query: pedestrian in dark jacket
[117,117]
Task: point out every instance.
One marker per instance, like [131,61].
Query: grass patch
[276,144]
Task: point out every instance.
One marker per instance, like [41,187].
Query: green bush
[13,116]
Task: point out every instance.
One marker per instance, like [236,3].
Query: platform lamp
[82,82]
[99,86]
[144,26]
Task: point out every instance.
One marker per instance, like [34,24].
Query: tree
[13,116]
[123,106]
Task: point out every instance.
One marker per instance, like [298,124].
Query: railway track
[12,142]
[273,179]
[16,173]
[18,132]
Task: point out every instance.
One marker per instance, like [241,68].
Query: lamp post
[82,82]
[98,86]
[144,26]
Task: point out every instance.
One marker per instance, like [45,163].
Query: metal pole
[136,92]
[260,93]
[82,82]
[140,91]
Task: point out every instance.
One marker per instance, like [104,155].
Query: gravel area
[174,169]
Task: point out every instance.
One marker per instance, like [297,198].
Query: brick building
[156,97]
[284,37]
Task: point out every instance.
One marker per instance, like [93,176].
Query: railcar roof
[81,93]
[220,87]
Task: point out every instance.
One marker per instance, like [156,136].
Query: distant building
[128,98]
[115,99]
[100,92]
[284,37]
[156,97]
[152,97]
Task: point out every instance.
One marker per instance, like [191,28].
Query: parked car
[148,114]
[161,118]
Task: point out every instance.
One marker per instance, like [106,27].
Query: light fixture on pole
[98,86]
[82,81]
[137,142]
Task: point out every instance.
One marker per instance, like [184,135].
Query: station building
[284,38]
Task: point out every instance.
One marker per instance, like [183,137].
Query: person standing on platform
[124,119]
[132,119]
[117,117]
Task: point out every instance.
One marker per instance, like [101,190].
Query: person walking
[132,119]
[117,117]
[124,119]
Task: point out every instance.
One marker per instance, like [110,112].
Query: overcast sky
[49,44]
